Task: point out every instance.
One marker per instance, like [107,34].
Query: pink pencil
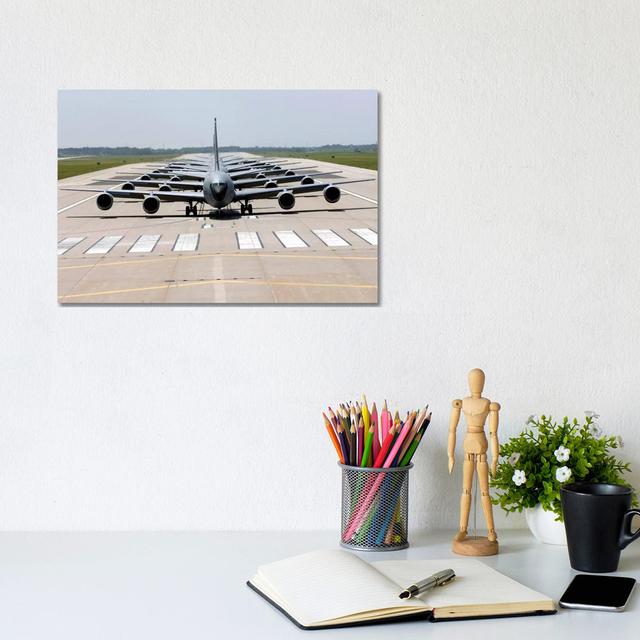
[385,422]
[360,514]
[376,431]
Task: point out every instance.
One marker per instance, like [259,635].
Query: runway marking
[198,283]
[145,244]
[290,239]
[75,204]
[357,195]
[367,235]
[248,240]
[200,256]
[330,238]
[186,242]
[104,245]
[68,243]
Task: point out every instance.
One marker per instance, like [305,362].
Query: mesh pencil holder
[375,505]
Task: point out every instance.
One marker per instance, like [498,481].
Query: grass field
[76,166]
[365,159]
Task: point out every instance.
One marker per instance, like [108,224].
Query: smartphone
[602,593]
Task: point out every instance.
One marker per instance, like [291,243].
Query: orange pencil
[333,437]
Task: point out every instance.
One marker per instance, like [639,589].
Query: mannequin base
[475,546]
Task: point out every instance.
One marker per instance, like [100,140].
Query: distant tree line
[142,151]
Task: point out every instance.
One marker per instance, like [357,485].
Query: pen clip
[447,580]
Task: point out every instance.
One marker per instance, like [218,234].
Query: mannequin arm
[453,425]
[494,408]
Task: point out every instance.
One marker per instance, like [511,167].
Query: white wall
[510,181]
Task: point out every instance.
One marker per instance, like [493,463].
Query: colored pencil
[344,445]
[357,521]
[360,441]
[365,414]
[384,449]
[365,438]
[333,437]
[376,433]
[368,444]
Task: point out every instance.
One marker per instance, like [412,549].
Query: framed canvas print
[207,197]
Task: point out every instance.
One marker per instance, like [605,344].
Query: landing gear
[246,208]
[249,209]
[191,210]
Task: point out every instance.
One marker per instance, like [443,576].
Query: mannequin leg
[483,481]
[465,498]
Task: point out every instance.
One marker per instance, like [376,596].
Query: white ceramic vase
[544,526]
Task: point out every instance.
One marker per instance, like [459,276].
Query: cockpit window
[218,189]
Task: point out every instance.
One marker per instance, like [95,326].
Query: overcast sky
[245,118]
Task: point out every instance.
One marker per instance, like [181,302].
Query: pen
[436,580]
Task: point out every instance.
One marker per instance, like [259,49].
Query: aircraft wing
[256,194]
[132,194]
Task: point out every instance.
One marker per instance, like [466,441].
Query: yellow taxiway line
[245,254]
[275,283]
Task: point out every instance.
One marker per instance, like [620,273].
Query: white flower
[518,477]
[595,430]
[531,419]
[513,458]
[563,474]
[561,454]
[591,414]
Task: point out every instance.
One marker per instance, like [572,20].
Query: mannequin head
[476,382]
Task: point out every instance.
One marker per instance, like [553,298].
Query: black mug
[597,519]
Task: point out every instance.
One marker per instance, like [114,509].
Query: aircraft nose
[218,187]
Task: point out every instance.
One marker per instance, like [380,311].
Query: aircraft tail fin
[216,157]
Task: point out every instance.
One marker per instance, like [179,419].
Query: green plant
[535,464]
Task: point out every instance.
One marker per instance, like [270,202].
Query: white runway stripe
[330,238]
[75,204]
[357,195]
[145,244]
[248,240]
[69,243]
[290,239]
[104,245]
[186,242]
[367,235]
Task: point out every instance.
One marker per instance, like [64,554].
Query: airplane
[242,183]
[218,191]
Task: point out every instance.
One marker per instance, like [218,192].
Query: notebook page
[475,582]
[324,585]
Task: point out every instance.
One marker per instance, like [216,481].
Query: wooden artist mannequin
[475,409]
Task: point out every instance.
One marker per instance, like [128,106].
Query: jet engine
[288,172]
[260,176]
[151,204]
[175,179]
[331,194]
[307,180]
[286,200]
[270,184]
[104,201]
[145,177]
[127,186]
[165,187]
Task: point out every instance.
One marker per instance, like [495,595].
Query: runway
[316,253]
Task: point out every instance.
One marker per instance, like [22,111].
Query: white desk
[191,586]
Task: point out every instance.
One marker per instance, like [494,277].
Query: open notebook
[336,588]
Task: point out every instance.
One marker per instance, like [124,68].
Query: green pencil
[368,444]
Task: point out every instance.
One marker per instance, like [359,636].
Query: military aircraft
[242,183]
[218,189]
